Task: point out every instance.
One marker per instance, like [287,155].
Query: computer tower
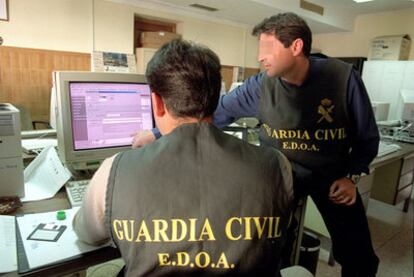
[11,161]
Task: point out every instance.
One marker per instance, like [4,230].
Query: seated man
[197,201]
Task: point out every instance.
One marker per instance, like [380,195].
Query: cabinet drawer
[403,194]
[365,183]
[365,199]
[405,180]
[408,165]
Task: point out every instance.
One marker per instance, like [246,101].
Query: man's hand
[142,137]
[343,191]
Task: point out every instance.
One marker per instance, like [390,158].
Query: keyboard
[385,149]
[75,191]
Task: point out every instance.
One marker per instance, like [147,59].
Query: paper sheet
[7,244]
[30,144]
[44,176]
[41,253]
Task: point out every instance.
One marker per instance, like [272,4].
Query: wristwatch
[354,178]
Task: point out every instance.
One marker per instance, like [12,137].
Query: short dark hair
[187,77]
[286,27]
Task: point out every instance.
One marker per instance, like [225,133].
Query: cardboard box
[157,39]
[390,48]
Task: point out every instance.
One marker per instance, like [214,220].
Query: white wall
[114,27]
[228,41]
[356,43]
[68,25]
[386,81]
[49,24]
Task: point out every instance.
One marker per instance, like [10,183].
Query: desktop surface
[387,148]
[69,265]
[60,202]
[26,134]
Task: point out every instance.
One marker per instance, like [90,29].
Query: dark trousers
[351,239]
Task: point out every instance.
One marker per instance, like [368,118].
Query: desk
[390,181]
[75,264]
[393,178]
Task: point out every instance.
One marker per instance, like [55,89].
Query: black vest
[198,202]
[309,124]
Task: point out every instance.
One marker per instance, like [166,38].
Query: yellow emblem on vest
[325,109]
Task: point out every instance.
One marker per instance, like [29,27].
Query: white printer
[11,162]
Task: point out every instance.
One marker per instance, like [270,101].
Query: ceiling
[338,15]
[373,6]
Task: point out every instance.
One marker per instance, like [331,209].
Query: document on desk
[44,176]
[7,244]
[41,252]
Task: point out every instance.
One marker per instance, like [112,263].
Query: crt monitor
[97,115]
[406,106]
[381,110]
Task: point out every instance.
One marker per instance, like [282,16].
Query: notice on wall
[113,62]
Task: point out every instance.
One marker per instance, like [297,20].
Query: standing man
[317,112]
[197,202]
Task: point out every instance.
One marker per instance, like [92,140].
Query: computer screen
[98,113]
[105,114]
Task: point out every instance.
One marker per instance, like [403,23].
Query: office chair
[26,122]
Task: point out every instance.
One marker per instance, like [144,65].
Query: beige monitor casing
[84,159]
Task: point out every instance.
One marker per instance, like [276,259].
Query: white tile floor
[392,236]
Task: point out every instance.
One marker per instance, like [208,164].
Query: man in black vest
[317,112]
[197,202]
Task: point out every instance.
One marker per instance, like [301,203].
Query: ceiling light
[362,1]
[203,7]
